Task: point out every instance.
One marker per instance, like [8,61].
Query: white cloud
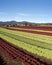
[22,14]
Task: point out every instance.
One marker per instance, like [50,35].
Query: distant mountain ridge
[13,22]
[22,23]
[9,22]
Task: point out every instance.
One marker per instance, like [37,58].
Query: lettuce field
[33,43]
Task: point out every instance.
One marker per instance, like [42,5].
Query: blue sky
[39,11]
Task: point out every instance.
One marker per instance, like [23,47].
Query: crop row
[28,41]
[37,37]
[34,32]
[18,28]
[37,27]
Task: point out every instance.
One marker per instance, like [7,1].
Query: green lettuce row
[27,40]
[41,38]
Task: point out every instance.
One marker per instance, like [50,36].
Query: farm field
[18,28]
[35,43]
[46,28]
[37,37]
[16,54]
[34,30]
